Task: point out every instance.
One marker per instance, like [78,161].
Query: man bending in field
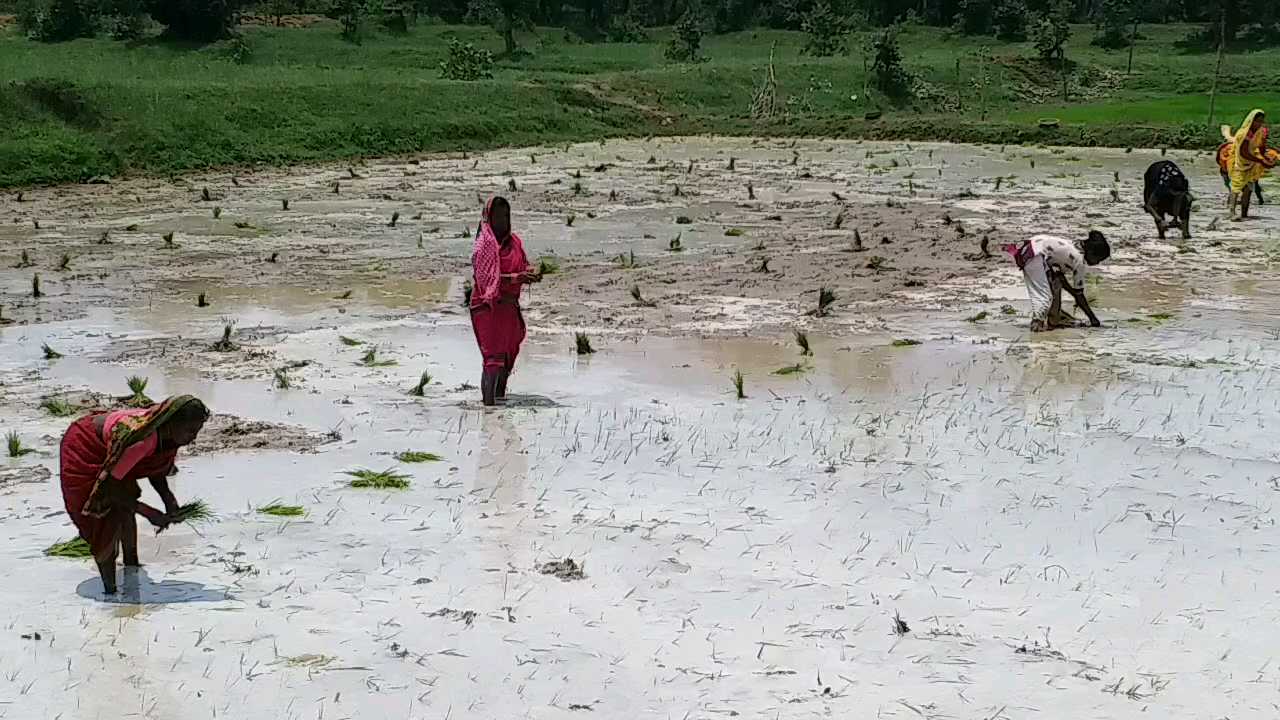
[1052,264]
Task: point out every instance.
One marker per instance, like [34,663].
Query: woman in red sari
[103,456]
[500,269]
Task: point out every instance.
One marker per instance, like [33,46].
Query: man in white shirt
[1051,264]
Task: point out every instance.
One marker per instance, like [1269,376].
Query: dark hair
[1096,248]
[497,202]
[193,412]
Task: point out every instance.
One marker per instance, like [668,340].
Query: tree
[506,17]
[1009,20]
[827,31]
[1114,20]
[58,20]
[686,40]
[196,20]
[975,17]
[886,65]
[1052,30]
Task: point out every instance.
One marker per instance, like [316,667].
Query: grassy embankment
[304,95]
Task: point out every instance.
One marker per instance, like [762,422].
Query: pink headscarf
[486,260]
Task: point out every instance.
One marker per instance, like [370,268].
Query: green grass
[305,95]
[58,407]
[378,480]
[414,456]
[75,548]
[278,510]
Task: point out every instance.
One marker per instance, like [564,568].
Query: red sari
[83,453]
[495,297]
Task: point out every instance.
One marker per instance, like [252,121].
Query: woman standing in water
[1250,163]
[103,456]
[500,270]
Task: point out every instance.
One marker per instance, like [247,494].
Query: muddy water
[1076,521]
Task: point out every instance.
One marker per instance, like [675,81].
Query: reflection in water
[501,466]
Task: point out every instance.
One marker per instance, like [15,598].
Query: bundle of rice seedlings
[732,163]
[419,390]
[138,387]
[16,448]
[242,225]
[168,240]
[49,353]
[24,260]
[734,232]
[626,260]
[684,220]
[802,339]
[217,212]
[337,188]
[74,548]
[206,195]
[751,192]
[838,222]
[739,383]
[676,192]
[763,267]
[35,224]
[577,188]
[978,317]
[613,196]
[639,298]
[875,263]
[674,245]
[568,221]
[1008,310]
[370,359]
[274,257]
[791,369]
[35,286]
[415,456]
[689,170]
[904,342]
[652,160]
[378,480]
[65,262]
[280,377]
[344,295]
[57,407]
[201,301]
[351,172]
[284,203]
[511,184]
[278,509]
[825,298]
[349,341]
[548,266]
[582,343]
[225,344]
[194,511]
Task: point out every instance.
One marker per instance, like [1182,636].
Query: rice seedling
[676,192]
[759,246]
[242,225]
[802,339]
[684,220]
[627,260]
[57,407]
[419,241]
[733,161]
[1008,310]
[1160,316]
[999,180]
[877,263]
[35,286]
[838,221]
[466,293]
[21,196]
[278,509]
[378,480]
[64,263]
[739,384]
[420,389]
[1115,195]
[225,344]
[763,267]
[568,221]
[235,181]
[511,184]
[49,353]
[24,261]
[370,359]
[3,320]
[349,341]
[751,192]
[639,298]
[202,301]
[194,511]
[674,245]
[978,317]
[415,456]
[577,188]
[337,187]
[582,343]
[548,266]
[613,196]
[217,212]
[652,160]
[206,195]
[689,170]
[1116,175]
[284,203]
[351,173]
[74,548]
[168,240]
[15,446]
[280,378]
[734,232]
[395,218]
[825,298]
[344,295]
[857,241]
[137,389]
[791,369]
[904,342]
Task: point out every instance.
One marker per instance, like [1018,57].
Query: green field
[75,110]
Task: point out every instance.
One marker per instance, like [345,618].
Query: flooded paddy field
[977,523]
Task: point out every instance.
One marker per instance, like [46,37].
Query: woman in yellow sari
[1250,161]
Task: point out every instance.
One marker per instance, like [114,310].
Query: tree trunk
[509,35]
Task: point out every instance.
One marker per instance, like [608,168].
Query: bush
[974,17]
[58,20]
[466,62]
[196,20]
[827,31]
[627,29]
[397,16]
[1114,20]
[236,49]
[350,14]
[1009,20]
[886,66]
[686,41]
[1052,30]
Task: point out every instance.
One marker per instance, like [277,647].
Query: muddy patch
[566,569]
[225,433]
